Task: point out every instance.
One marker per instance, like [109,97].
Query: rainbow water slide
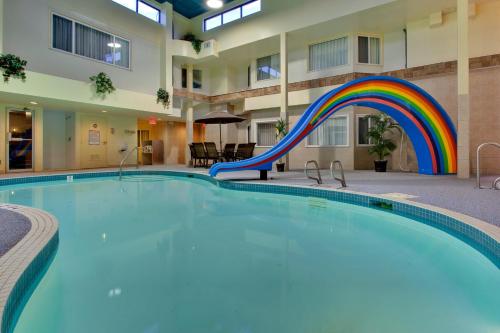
[424,120]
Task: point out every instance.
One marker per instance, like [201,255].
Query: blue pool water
[165,254]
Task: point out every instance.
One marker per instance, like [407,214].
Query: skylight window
[250,8]
[149,11]
[141,8]
[232,15]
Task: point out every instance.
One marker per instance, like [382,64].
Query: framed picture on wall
[94,137]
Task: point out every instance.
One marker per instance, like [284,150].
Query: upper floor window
[268,67]
[141,8]
[369,50]
[332,132]
[328,54]
[80,39]
[232,14]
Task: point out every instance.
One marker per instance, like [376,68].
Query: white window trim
[349,46]
[358,116]
[347,145]
[356,51]
[73,46]
[254,124]
[221,13]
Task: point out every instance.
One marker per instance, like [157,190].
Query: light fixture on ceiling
[104,111]
[33,103]
[214,3]
[115,45]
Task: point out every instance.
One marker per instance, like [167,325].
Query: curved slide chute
[426,123]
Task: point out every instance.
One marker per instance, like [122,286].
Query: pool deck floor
[447,192]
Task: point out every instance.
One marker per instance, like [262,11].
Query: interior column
[463,89]
[189,114]
[166,78]
[284,84]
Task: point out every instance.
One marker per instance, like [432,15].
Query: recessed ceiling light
[215,3]
[104,111]
[33,103]
[115,45]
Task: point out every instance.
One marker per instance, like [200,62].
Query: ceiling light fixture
[115,45]
[214,3]
[104,111]
[33,103]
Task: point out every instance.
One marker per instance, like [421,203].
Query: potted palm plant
[281,132]
[381,126]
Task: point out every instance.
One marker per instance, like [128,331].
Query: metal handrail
[496,182]
[306,169]
[125,158]
[342,176]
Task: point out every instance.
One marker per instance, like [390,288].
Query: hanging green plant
[164,97]
[12,66]
[103,84]
[190,37]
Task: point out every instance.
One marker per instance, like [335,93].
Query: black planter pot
[380,166]
[280,167]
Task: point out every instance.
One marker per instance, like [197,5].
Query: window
[213,22]
[328,54]
[369,50]
[130,4]
[232,15]
[141,8]
[364,124]
[268,67]
[250,8]
[62,33]
[266,134]
[74,37]
[150,12]
[333,132]
[197,78]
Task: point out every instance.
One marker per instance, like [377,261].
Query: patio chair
[212,152]
[229,150]
[200,155]
[244,151]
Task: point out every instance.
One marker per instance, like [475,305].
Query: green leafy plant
[103,84]
[281,131]
[381,126]
[194,41]
[12,66]
[164,97]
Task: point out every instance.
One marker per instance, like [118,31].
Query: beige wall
[27,33]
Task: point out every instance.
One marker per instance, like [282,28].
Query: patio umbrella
[219,117]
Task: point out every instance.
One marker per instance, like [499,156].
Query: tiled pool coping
[24,264]
[482,236]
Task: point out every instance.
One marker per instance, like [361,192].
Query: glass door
[20,140]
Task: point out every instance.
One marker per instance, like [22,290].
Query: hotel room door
[20,140]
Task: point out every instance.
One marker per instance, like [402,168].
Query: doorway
[20,140]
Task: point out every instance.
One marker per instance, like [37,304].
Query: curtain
[374,50]
[363,50]
[122,52]
[62,33]
[333,132]
[266,134]
[363,126]
[93,44]
[197,79]
[268,67]
[328,54]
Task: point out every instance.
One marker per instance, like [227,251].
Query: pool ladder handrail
[136,148]
[316,167]
[496,182]
[338,165]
